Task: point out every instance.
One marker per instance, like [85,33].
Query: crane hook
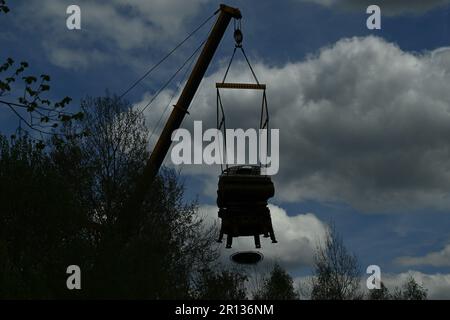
[238,36]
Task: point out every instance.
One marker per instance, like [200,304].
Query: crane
[129,215]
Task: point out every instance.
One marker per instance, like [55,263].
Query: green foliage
[44,114]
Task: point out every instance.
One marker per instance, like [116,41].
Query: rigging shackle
[238,36]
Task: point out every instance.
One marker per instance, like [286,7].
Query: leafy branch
[43,114]
[3,7]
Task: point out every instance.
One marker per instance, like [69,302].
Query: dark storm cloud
[111,32]
[390,7]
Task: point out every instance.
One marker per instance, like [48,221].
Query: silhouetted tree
[221,285]
[171,244]
[278,285]
[42,227]
[3,7]
[59,204]
[410,290]
[380,294]
[336,273]
[35,236]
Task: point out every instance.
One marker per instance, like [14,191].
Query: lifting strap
[220,114]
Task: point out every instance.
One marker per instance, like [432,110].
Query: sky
[364,115]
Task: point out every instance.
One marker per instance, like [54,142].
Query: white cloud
[115,29]
[128,24]
[297,235]
[436,259]
[362,122]
[389,7]
[437,285]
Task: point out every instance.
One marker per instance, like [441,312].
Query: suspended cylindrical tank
[242,197]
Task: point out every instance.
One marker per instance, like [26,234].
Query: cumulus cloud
[361,122]
[76,58]
[389,7]
[437,285]
[116,28]
[435,259]
[298,237]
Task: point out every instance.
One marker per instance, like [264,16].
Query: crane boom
[132,207]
